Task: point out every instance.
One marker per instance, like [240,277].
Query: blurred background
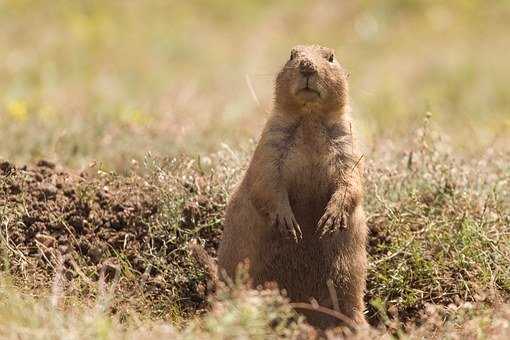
[112,80]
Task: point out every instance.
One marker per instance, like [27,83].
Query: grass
[439,239]
[236,312]
[441,225]
[148,112]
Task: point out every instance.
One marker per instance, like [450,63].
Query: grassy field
[146,114]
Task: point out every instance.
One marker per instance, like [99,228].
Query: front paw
[331,221]
[286,223]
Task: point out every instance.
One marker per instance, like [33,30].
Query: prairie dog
[297,215]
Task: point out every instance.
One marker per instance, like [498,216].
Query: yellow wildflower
[17,110]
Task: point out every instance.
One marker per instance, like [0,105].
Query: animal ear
[293,54]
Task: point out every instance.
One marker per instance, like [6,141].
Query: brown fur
[297,215]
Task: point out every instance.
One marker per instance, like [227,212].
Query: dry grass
[439,240]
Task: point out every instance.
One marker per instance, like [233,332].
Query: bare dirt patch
[89,229]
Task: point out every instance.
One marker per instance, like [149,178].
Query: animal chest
[308,169]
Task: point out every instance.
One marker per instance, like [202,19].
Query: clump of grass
[22,316]
[465,321]
[240,312]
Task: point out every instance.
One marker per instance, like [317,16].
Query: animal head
[312,81]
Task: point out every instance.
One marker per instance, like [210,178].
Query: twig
[398,252]
[333,295]
[41,251]
[325,310]
[56,287]
[78,270]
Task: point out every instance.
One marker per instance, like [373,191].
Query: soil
[100,228]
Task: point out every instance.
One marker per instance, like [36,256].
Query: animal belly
[308,198]
[301,269]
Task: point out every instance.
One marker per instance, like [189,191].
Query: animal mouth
[308,90]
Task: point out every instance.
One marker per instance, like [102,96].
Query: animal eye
[292,55]
[331,58]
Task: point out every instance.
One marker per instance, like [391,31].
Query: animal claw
[331,222]
[289,227]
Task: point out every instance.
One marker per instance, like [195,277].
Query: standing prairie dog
[297,215]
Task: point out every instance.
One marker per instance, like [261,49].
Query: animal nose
[307,68]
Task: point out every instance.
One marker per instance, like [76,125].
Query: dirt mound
[61,213]
[88,226]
